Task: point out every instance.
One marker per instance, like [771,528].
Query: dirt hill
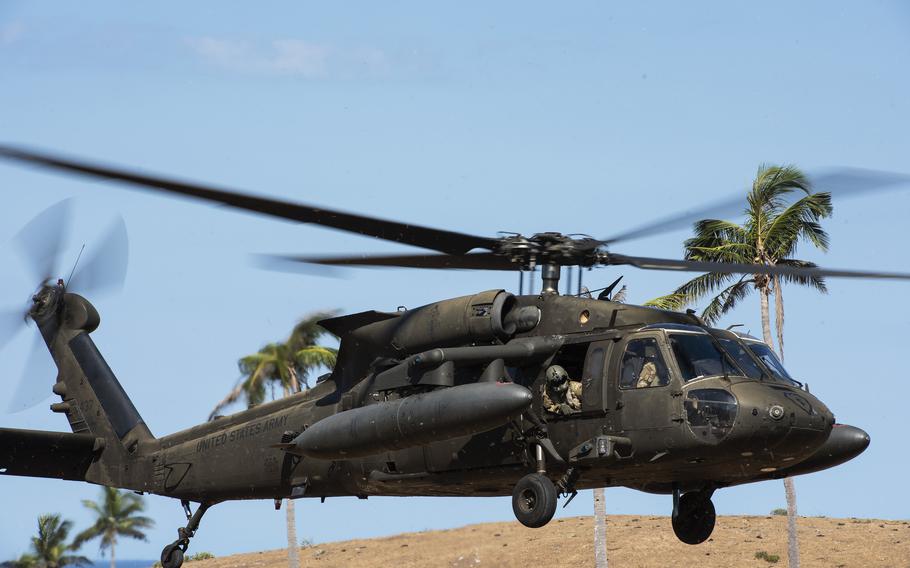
[643,542]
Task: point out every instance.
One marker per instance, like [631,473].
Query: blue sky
[517,117]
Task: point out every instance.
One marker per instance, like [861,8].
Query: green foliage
[306,543]
[779,511]
[769,558]
[116,515]
[287,364]
[49,547]
[770,235]
[200,556]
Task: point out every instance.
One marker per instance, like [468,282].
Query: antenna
[75,264]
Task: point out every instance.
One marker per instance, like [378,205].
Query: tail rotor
[40,244]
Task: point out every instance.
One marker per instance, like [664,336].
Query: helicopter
[535,395]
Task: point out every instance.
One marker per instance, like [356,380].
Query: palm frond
[799,221]
[726,300]
[811,280]
[307,331]
[675,302]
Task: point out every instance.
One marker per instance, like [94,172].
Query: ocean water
[106,563]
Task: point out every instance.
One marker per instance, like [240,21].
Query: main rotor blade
[105,269]
[40,242]
[479,261]
[435,239]
[840,182]
[648,263]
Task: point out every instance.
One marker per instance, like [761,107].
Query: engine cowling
[480,318]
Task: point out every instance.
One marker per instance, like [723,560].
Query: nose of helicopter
[784,422]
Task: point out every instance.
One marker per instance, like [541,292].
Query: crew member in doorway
[561,394]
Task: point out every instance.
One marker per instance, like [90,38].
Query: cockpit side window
[767,356]
[745,361]
[642,365]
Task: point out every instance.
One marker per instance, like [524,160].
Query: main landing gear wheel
[693,518]
[172,556]
[534,500]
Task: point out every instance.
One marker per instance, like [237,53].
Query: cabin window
[642,365]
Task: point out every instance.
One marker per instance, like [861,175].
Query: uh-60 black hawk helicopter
[530,395]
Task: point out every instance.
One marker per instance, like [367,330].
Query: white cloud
[11,32]
[281,57]
[291,57]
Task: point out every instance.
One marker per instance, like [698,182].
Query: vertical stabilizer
[92,399]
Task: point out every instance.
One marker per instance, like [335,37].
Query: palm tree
[285,365]
[117,515]
[770,235]
[49,548]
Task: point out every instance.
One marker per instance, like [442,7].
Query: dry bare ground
[643,542]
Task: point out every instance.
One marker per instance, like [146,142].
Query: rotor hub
[550,248]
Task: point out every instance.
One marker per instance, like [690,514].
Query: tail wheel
[172,556]
[534,500]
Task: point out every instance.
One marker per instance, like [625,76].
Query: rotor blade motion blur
[40,241]
[11,322]
[647,263]
[36,378]
[435,239]
[105,269]
[840,182]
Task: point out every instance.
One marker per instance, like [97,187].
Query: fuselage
[719,420]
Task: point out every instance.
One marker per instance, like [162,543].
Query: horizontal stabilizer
[36,453]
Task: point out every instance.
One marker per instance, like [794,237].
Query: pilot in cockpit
[648,377]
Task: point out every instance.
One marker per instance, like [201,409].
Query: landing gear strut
[172,555]
[693,516]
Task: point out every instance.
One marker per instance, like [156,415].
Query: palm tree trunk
[113,561]
[765,316]
[779,316]
[600,529]
[789,485]
[792,536]
[293,546]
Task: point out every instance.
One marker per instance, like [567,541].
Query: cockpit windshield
[698,356]
[745,361]
[767,356]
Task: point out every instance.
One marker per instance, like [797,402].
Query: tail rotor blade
[105,269]
[37,378]
[41,240]
[11,323]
